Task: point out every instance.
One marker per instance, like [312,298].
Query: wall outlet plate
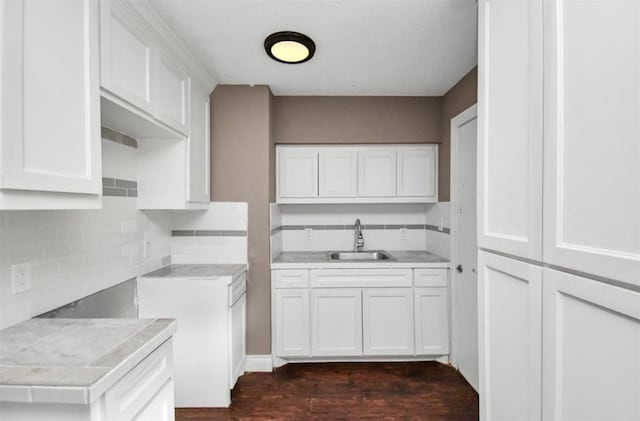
[21,277]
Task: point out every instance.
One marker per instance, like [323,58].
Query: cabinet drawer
[430,277]
[332,278]
[291,278]
[132,393]
[237,288]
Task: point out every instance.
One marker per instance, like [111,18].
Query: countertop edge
[235,275]
[360,265]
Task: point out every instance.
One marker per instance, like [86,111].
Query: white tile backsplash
[209,250]
[323,214]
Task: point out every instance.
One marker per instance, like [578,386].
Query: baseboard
[261,363]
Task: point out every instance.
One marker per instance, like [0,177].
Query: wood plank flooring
[348,391]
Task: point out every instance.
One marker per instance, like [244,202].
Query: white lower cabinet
[388,321]
[591,348]
[331,313]
[510,339]
[336,322]
[160,408]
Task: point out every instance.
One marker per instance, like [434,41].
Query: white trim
[456,122]
[258,363]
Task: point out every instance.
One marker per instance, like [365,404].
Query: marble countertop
[198,271]
[73,360]
[320,259]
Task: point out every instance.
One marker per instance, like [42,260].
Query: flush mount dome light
[289,47]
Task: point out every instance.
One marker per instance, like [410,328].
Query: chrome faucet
[358,240]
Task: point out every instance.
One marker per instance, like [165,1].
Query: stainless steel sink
[360,256]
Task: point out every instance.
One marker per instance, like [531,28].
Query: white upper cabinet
[172,94]
[127,50]
[50,110]
[377,172]
[592,132]
[510,127]
[357,174]
[297,173]
[338,172]
[198,147]
[417,172]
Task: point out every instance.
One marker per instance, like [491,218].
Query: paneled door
[377,172]
[592,132]
[591,350]
[417,170]
[388,321]
[198,171]
[51,122]
[337,172]
[297,173]
[510,127]
[292,312]
[336,322]
[510,336]
[172,94]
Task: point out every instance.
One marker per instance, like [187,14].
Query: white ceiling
[363,47]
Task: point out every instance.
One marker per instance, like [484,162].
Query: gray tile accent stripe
[208,233]
[116,187]
[117,137]
[445,230]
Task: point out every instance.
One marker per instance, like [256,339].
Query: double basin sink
[360,256]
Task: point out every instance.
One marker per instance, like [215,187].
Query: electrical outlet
[21,277]
[146,247]
[307,233]
[403,233]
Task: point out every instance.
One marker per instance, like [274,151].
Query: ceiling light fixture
[289,47]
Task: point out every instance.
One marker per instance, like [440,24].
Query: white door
[432,321]
[126,54]
[297,172]
[465,263]
[338,172]
[237,339]
[336,322]
[417,172]
[510,127]
[387,315]
[377,172]
[50,94]
[291,324]
[591,134]
[510,327]
[198,171]
[591,343]
[172,94]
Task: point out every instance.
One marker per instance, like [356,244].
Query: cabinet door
[377,172]
[297,170]
[510,338]
[171,93]
[198,171]
[510,127]
[417,172]
[388,321]
[160,408]
[337,173]
[336,322]
[432,321]
[591,349]
[50,97]
[237,340]
[126,55]
[292,323]
[592,127]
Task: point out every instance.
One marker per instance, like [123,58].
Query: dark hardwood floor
[348,391]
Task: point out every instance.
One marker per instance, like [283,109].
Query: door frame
[456,123]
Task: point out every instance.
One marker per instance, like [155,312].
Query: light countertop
[180,271]
[73,360]
[320,260]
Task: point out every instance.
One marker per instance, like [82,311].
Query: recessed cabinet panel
[297,173]
[198,147]
[336,322]
[172,94]
[432,321]
[592,127]
[50,98]
[510,338]
[591,350]
[388,321]
[337,173]
[377,173]
[292,333]
[126,55]
[417,172]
